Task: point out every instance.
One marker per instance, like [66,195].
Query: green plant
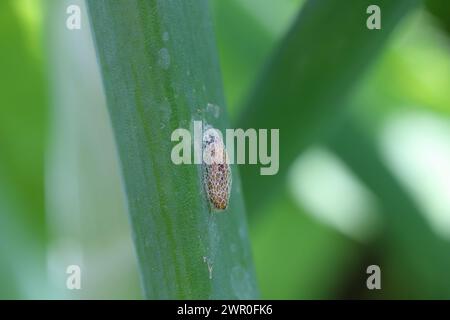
[160,72]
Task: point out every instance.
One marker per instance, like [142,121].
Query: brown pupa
[216,170]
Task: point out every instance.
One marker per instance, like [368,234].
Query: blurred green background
[373,187]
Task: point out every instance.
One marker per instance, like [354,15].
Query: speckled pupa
[216,170]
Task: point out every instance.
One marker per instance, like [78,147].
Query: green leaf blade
[160,71]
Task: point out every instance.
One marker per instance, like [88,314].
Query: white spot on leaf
[209,265]
[213,109]
[164,58]
[165,36]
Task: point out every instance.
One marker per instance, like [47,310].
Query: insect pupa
[216,170]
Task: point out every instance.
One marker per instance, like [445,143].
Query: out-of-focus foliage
[246,44]
[86,211]
[309,79]
[441,10]
[23,119]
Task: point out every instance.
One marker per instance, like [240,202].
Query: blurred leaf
[23,118]
[241,48]
[23,115]
[310,76]
[413,72]
[160,70]
[245,44]
[297,257]
[417,255]
[86,213]
[440,9]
